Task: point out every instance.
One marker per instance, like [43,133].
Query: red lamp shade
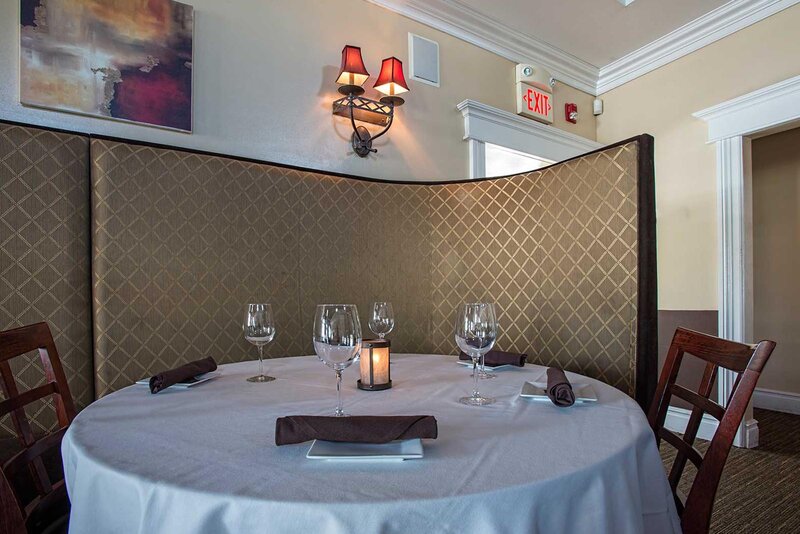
[353,71]
[391,80]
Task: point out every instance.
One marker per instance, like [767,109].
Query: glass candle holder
[374,363]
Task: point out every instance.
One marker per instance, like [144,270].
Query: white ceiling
[596,31]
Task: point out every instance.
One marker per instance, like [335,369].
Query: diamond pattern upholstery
[182,241]
[366,241]
[556,250]
[44,255]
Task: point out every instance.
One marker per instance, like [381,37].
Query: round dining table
[204,459]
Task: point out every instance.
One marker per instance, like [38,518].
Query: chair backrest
[49,499]
[746,361]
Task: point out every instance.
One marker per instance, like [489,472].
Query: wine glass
[483,374]
[382,320]
[259,329]
[476,331]
[337,341]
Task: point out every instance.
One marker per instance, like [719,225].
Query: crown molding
[461,21]
[713,26]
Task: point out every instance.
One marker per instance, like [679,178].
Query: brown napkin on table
[179,374]
[559,390]
[494,358]
[354,429]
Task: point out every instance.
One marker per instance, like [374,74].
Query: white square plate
[409,449]
[538,391]
[468,363]
[199,379]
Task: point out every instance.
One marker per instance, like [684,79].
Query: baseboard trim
[678,418]
[750,435]
[779,401]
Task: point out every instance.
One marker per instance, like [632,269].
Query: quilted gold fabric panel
[182,241]
[44,255]
[366,241]
[556,250]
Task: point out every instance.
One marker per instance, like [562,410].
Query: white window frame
[486,124]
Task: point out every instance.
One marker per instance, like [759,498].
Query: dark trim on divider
[92,307]
[304,169]
[647,293]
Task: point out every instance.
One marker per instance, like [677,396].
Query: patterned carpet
[759,489]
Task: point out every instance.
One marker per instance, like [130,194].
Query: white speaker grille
[423,59]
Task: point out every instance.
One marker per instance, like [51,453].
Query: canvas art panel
[129,60]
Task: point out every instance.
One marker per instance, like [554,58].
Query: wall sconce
[352,75]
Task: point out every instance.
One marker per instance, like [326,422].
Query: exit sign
[534,103]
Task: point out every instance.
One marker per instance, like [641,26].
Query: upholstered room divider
[44,254]
[181,241]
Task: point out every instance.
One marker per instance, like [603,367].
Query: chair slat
[20,420]
[722,352]
[20,401]
[708,406]
[23,340]
[18,417]
[19,462]
[688,450]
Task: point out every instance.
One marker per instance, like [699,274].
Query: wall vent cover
[423,59]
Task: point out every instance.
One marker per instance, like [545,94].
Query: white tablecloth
[204,460]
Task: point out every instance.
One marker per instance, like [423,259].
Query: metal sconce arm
[362,139]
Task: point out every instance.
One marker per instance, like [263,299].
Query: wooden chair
[747,361]
[49,504]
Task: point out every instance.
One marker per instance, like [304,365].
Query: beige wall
[661,103]
[264,82]
[776,255]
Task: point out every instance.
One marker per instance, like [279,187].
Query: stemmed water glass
[483,374]
[259,329]
[337,341]
[476,331]
[382,320]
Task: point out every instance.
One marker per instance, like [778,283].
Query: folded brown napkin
[494,358]
[179,374]
[354,429]
[559,390]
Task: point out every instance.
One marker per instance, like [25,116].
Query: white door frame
[730,126]
[485,124]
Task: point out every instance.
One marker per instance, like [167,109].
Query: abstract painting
[129,60]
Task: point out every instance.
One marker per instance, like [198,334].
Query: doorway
[731,127]
[776,256]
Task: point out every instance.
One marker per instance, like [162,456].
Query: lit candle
[374,365]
